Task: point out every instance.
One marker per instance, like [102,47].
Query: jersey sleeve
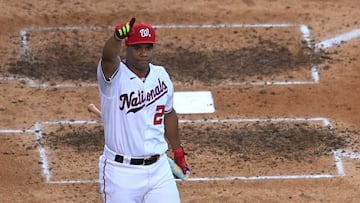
[170,102]
[106,85]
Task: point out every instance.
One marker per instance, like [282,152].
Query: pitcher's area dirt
[224,61]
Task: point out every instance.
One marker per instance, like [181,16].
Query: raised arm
[111,51]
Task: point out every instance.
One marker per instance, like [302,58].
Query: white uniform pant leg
[137,184]
[121,183]
[164,188]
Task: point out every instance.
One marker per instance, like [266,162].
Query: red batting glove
[122,30]
[179,158]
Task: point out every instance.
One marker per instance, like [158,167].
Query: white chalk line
[12,131]
[337,40]
[348,154]
[33,84]
[339,165]
[324,121]
[229,178]
[319,176]
[25,30]
[304,30]
[338,155]
[42,153]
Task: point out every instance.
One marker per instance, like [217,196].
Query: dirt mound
[259,141]
[256,142]
[63,55]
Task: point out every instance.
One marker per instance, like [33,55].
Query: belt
[145,161]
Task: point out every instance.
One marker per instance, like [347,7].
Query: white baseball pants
[122,182]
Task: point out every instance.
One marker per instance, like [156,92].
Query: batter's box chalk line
[304,30]
[46,173]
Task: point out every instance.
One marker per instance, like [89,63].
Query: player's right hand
[122,30]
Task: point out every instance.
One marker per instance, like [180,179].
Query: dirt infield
[284,77]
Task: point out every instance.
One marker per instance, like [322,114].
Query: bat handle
[93,109]
[176,170]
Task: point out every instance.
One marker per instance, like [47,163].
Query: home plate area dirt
[192,56]
[246,149]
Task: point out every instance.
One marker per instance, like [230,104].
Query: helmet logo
[145,32]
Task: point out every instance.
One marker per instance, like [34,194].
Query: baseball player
[139,120]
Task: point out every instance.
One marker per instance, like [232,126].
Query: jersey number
[158,117]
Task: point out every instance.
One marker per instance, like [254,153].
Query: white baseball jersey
[133,110]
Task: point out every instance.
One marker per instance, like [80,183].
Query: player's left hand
[179,158]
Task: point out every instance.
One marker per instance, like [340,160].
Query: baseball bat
[93,109]
[176,170]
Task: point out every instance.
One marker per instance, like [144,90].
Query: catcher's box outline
[304,30]
[46,173]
